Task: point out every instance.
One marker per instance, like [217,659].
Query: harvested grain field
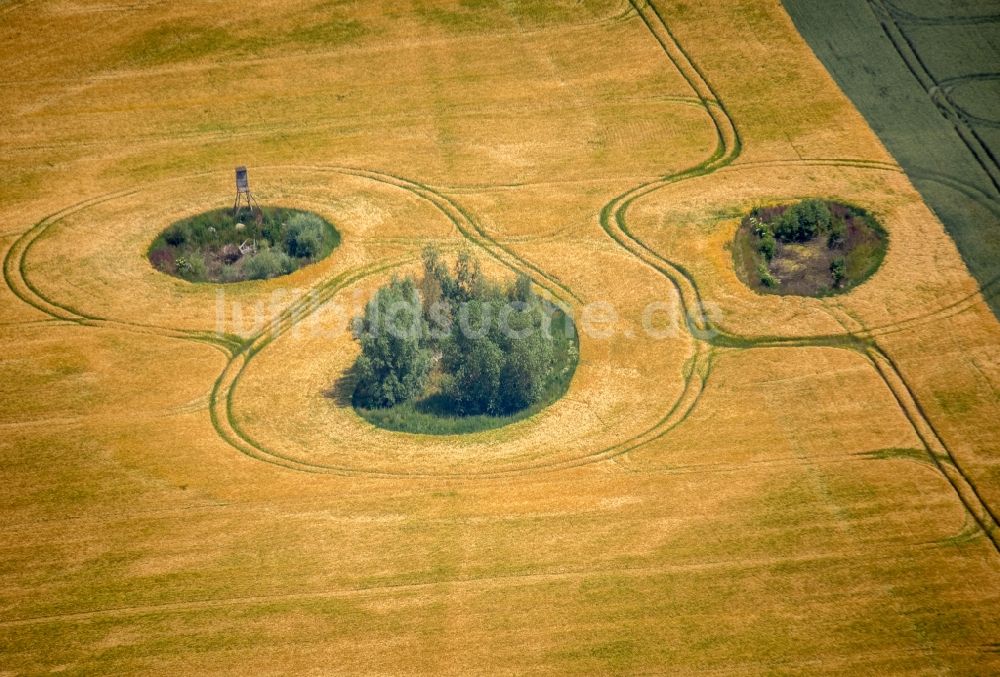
[743,483]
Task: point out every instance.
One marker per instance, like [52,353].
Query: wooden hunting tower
[243,192]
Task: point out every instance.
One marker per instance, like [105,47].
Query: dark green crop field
[926,76]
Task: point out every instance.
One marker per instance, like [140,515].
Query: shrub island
[457,353]
[810,248]
[215,246]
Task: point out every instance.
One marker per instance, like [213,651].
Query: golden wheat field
[778,485]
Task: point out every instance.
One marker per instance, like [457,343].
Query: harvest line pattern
[467,583]
[613,220]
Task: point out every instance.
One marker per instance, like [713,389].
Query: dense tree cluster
[803,221]
[486,349]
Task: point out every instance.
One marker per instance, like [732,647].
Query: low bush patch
[216,247]
[810,248]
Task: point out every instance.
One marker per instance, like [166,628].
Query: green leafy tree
[521,290]
[394,364]
[528,352]
[767,244]
[268,263]
[434,279]
[766,278]
[838,268]
[474,361]
[176,236]
[192,266]
[468,277]
[438,291]
[304,236]
[500,356]
[803,221]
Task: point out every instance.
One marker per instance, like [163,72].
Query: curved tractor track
[613,220]
[222,399]
[707,334]
[15,276]
[946,88]
[240,351]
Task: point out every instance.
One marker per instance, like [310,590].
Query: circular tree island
[809,248]
[458,353]
[218,246]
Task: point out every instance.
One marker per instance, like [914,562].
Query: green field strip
[865,47]
[907,49]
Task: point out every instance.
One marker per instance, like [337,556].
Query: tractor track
[240,352]
[906,16]
[707,337]
[16,278]
[613,221]
[471,583]
[942,94]
[887,14]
